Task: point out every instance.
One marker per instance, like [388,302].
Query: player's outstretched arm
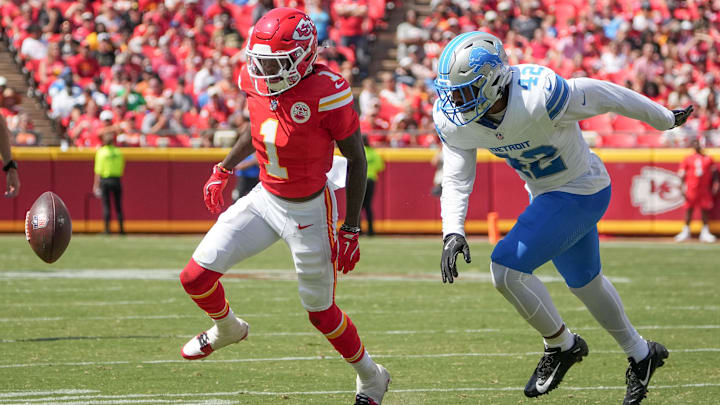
[348,252]
[213,189]
[591,97]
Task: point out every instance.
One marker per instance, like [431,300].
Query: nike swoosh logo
[583,103]
[645,381]
[542,388]
[339,84]
[303,226]
[207,188]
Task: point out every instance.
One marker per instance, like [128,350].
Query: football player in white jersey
[528,115]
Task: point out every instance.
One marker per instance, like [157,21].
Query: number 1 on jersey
[268,129]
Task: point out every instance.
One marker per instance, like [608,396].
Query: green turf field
[105,324]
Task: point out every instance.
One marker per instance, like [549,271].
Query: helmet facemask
[279,70]
[464,103]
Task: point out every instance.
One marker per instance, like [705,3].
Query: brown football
[48,227]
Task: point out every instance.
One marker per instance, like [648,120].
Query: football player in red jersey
[701,181]
[299,111]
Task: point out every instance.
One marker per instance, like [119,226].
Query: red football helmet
[281,50]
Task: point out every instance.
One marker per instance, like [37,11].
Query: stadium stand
[166,69]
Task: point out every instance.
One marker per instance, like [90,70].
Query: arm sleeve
[457,183]
[590,97]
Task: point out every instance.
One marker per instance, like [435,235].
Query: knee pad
[326,321]
[197,280]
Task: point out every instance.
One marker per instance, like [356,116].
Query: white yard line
[315,358]
[370,332]
[238,275]
[158,398]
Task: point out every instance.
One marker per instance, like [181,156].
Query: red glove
[214,188]
[348,250]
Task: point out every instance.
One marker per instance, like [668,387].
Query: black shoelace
[203,338]
[545,368]
[635,387]
[362,399]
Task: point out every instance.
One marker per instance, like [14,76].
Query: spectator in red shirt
[84,65]
[216,106]
[352,15]
[701,182]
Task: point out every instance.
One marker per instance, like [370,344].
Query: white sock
[226,322]
[529,296]
[705,229]
[564,341]
[603,302]
[366,368]
[686,228]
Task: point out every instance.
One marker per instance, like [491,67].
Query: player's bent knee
[197,280]
[325,321]
[504,277]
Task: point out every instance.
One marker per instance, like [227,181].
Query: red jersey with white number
[698,170]
[294,133]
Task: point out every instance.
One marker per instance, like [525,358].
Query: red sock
[340,332]
[205,289]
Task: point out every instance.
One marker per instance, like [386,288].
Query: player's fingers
[453,260]
[466,254]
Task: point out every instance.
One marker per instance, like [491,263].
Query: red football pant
[205,289]
[340,332]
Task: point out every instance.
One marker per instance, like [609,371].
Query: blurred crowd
[161,72]
[164,72]
[665,49]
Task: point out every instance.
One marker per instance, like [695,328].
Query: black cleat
[637,376]
[553,366]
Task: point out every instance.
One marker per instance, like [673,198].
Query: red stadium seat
[650,139]
[619,140]
[602,124]
[622,123]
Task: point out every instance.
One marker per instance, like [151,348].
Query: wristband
[222,169]
[350,228]
[11,164]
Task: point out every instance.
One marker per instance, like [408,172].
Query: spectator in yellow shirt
[109,167]
[375,165]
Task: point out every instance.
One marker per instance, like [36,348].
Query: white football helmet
[472,72]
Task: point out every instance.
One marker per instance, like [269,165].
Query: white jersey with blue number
[538,136]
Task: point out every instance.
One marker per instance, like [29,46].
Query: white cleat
[213,339]
[372,393]
[707,237]
[682,236]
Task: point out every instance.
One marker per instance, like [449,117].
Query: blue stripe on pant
[561,227]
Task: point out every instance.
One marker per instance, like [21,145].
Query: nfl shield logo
[273,104]
[499,136]
[39,221]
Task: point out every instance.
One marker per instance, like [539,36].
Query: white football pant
[258,220]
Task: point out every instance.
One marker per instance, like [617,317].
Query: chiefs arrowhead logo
[304,30]
[656,190]
[300,112]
